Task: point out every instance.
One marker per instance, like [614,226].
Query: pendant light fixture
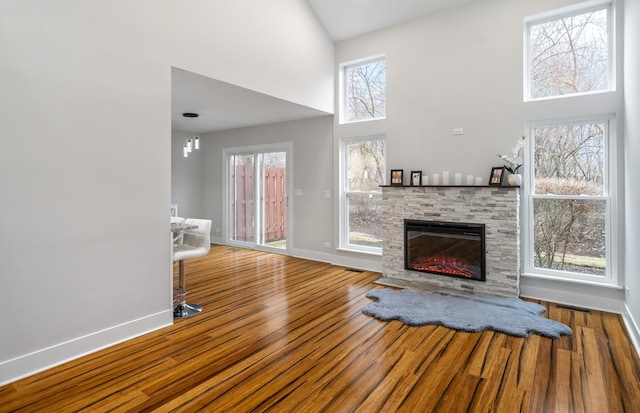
[191,144]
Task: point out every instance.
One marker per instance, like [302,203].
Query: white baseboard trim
[632,328]
[218,240]
[374,264]
[577,299]
[40,360]
[312,255]
[371,264]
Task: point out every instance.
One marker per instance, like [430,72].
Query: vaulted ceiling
[235,107]
[348,18]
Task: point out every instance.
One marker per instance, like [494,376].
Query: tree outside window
[569,55]
[364,173]
[570,197]
[570,223]
[365,91]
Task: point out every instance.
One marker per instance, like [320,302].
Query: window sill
[603,283]
[373,253]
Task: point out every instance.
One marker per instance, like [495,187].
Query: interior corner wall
[275,47]
[632,167]
[312,174]
[85,178]
[461,68]
[186,178]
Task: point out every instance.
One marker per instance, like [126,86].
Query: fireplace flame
[445,265]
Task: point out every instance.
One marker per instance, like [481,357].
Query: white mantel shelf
[450,186]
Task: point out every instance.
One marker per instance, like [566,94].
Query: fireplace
[447,248]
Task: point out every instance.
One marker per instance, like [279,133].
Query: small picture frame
[397,177]
[416,178]
[497,176]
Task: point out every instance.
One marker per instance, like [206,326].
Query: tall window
[569,203]
[365,91]
[570,53]
[570,200]
[363,171]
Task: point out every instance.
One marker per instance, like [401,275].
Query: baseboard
[374,265]
[596,298]
[344,261]
[632,328]
[40,360]
[218,240]
[312,255]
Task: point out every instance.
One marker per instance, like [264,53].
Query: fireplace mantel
[449,186]
[495,206]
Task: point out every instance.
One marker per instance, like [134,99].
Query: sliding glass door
[257,197]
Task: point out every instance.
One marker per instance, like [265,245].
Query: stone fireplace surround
[496,207]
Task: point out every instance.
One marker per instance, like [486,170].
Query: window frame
[568,11]
[344,226]
[343,94]
[609,196]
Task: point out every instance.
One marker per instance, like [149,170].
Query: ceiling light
[194,143]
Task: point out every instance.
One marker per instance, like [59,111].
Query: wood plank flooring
[283,334]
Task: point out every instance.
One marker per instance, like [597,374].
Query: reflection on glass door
[258,199]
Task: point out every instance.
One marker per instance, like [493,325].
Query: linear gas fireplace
[446,248]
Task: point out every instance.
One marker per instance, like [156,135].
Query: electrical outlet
[327,194]
[458,131]
[327,245]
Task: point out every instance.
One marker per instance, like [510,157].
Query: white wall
[462,68]
[186,178]
[632,154]
[275,47]
[84,177]
[312,173]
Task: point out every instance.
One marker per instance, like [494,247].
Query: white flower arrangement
[514,161]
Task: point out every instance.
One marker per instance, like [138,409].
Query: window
[365,91]
[569,204]
[363,171]
[570,52]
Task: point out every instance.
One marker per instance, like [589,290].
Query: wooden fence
[243,196]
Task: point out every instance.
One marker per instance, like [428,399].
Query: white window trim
[344,244]
[584,7]
[342,87]
[610,195]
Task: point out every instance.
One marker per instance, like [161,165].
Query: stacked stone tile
[496,207]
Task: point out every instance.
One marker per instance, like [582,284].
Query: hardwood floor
[287,335]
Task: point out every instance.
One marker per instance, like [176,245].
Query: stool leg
[182,309]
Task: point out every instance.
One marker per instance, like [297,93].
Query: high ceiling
[348,18]
[223,106]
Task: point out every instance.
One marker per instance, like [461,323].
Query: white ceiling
[223,106]
[348,18]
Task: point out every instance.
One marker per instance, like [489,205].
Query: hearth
[446,248]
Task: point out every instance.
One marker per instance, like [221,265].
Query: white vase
[514,179]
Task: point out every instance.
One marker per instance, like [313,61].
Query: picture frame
[397,178]
[497,176]
[416,178]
